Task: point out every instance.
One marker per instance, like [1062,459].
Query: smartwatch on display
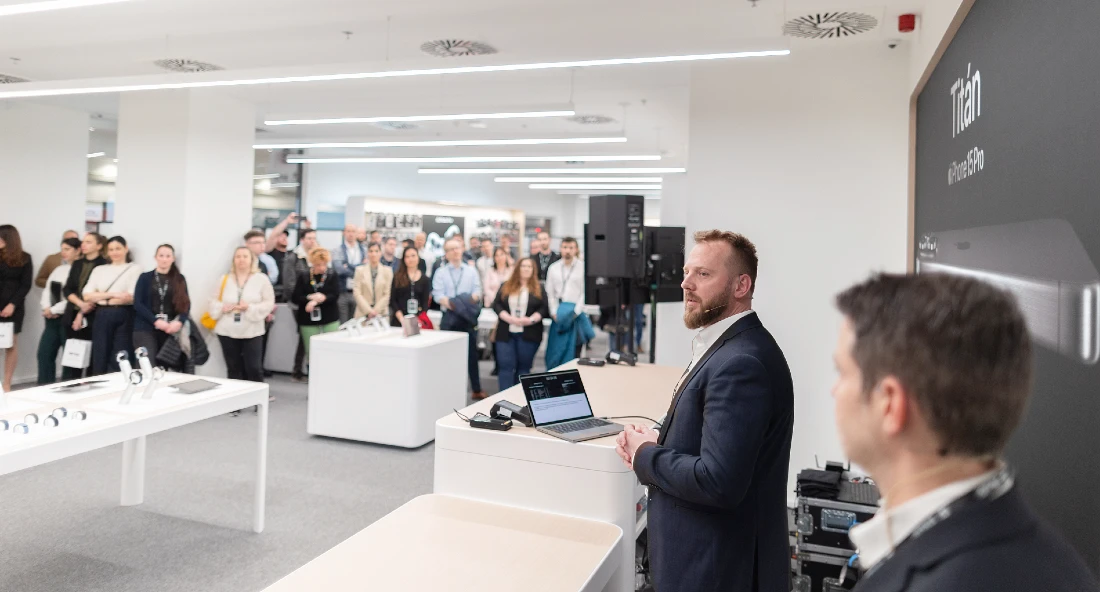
[30,418]
[4,425]
[50,421]
[80,415]
[60,413]
[21,428]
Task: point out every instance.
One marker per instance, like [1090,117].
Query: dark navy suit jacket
[995,546]
[718,475]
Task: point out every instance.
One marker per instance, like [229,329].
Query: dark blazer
[532,333]
[718,475]
[145,317]
[993,546]
[332,286]
[15,284]
[542,270]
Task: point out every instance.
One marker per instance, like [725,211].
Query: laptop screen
[556,396]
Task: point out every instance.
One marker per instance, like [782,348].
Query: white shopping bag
[78,353]
[7,335]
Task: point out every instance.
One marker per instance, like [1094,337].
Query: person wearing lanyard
[520,305]
[111,287]
[161,303]
[317,295]
[933,377]
[411,293]
[565,285]
[457,288]
[345,258]
[545,256]
[372,285]
[243,300]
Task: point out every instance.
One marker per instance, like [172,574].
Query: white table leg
[133,472]
[260,501]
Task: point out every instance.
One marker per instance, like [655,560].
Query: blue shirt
[449,282]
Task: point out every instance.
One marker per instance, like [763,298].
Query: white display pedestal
[385,388]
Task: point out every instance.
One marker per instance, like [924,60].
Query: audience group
[97,299]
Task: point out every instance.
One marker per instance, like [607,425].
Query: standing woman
[317,295]
[241,305]
[78,316]
[16,277]
[372,285]
[161,303]
[53,305]
[412,290]
[111,288]
[521,305]
[496,275]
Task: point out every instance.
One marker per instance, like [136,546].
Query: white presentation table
[110,423]
[438,542]
[527,469]
[383,387]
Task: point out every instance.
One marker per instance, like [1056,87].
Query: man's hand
[627,442]
[444,302]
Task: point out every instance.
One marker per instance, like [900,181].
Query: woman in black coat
[317,295]
[412,289]
[16,277]
[521,306]
[80,313]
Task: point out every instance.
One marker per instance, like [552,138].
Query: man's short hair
[374,246]
[959,346]
[305,232]
[251,234]
[569,239]
[744,259]
[387,239]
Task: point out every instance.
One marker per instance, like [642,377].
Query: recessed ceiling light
[29,7]
[578,179]
[445,117]
[437,143]
[96,154]
[90,90]
[184,65]
[449,48]
[426,159]
[557,170]
[591,187]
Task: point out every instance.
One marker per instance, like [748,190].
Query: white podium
[385,388]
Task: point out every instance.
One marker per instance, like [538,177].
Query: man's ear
[890,401]
[742,287]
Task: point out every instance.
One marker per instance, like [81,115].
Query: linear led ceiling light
[455,117]
[96,154]
[578,180]
[29,7]
[560,170]
[438,143]
[89,90]
[591,192]
[591,187]
[441,159]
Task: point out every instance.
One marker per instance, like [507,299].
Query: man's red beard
[707,312]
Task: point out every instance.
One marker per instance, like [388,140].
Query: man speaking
[717,473]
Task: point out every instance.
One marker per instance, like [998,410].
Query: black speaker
[667,243]
[615,237]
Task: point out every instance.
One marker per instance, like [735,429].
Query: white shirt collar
[708,335]
[872,538]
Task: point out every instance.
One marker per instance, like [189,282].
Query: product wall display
[1006,191]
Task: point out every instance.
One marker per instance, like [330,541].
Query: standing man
[276,246]
[345,258]
[294,265]
[52,261]
[375,238]
[717,472]
[471,255]
[256,242]
[565,294]
[389,253]
[506,244]
[545,257]
[360,234]
[426,255]
[933,375]
[485,259]
[457,289]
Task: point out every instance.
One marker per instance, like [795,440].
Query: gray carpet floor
[61,528]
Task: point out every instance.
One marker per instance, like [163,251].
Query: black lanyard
[565,278]
[240,289]
[162,291]
[451,274]
[315,284]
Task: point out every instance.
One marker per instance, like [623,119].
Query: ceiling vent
[400,126]
[449,48]
[6,79]
[591,119]
[179,65]
[830,25]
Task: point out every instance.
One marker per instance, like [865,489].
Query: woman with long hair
[412,289]
[244,299]
[16,278]
[161,303]
[111,288]
[521,306]
[496,275]
[79,315]
[53,305]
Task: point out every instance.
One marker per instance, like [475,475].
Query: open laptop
[559,407]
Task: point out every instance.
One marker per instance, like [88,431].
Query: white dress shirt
[706,338]
[60,274]
[872,538]
[565,283]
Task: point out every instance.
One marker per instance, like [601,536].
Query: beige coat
[379,293]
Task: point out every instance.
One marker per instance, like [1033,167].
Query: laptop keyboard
[576,426]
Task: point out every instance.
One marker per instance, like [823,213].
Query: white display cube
[385,388]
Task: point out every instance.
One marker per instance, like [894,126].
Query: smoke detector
[395,125]
[830,25]
[8,79]
[449,48]
[591,119]
[182,65]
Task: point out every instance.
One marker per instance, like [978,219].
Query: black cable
[632,417]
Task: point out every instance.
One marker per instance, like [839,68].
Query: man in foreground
[934,373]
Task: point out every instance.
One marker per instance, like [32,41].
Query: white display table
[109,423]
[528,469]
[282,340]
[438,542]
[383,387]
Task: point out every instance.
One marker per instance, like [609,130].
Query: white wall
[807,157]
[931,27]
[44,167]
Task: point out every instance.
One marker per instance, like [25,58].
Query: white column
[44,171]
[185,178]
